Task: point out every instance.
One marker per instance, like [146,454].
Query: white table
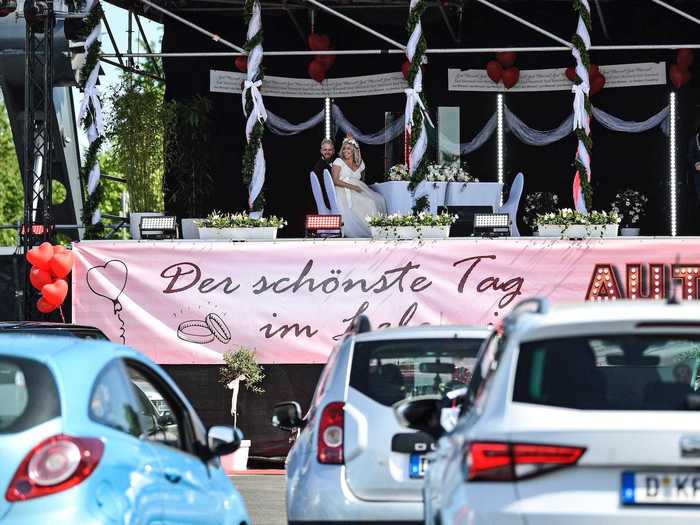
[397,196]
[474,194]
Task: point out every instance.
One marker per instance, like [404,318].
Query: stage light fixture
[158,227]
[492,224]
[672,167]
[499,134]
[323,226]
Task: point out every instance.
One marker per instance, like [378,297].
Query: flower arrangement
[567,217]
[631,206]
[418,220]
[448,173]
[218,219]
[398,172]
[538,203]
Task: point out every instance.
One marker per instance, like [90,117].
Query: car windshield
[390,371]
[28,394]
[618,372]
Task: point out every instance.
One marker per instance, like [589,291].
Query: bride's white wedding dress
[355,206]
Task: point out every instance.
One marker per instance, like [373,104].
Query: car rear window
[28,394]
[619,372]
[390,371]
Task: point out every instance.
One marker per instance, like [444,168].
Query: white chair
[511,205]
[318,195]
[330,191]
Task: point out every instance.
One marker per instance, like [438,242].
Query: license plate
[660,488]
[417,465]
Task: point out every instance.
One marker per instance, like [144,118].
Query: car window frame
[477,386]
[116,362]
[189,443]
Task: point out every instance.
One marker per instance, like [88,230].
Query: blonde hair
[355,148]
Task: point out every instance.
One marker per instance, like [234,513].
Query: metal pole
[129,48]
[677,11]
[355,23]
[111,38]
[148,45]
[525,22]
[213,36]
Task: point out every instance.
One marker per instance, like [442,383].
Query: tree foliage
[11,188]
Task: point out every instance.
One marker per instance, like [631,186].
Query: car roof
[45,348]
[5,325]
[424,332]
[655,314]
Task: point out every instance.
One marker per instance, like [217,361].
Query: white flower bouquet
[398,172]
[417,220]
[631,206]
[568,217]
[220,220]
[448,173]
[538,203]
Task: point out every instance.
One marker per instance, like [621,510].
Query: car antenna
[672,299]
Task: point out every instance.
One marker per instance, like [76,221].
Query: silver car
[585,415]
[353,462]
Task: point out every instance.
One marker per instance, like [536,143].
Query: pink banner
[188,302]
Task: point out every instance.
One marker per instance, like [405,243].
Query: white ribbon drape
[582,119]
[280,126]
[382,136]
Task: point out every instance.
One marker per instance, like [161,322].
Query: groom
[324,163]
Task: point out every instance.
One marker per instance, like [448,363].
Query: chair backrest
[318,195]
[330,191]
[511,205]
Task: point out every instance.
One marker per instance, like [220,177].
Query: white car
[585,415]
[353,462]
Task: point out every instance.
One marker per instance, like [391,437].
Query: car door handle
[173,477]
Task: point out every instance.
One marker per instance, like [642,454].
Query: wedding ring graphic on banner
[203,332]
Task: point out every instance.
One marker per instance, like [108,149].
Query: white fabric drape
[630,126]
[382,136]
[280,126]
[532,136]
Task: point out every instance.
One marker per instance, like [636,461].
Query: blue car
[83,442]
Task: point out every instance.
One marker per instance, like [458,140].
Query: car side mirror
[223,440]
[421,413]
[287,416]
[166,419]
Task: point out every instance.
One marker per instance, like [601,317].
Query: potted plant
[571,224]
[240,366]
[630,205]
[423,225]
[136,132]
[239,226]
[538,203]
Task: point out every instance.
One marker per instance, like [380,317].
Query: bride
[355,199]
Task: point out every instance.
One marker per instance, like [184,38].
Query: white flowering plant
[631,206]
[448,173]
[418,220]
[568,217]
[538,203]
[398,172]
[217,219]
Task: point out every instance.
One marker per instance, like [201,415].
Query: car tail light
[331,432]
[514,461]
[54,465]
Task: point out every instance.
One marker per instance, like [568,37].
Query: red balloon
[685,58]
[317,71]
[241,63]
[319,42]
[570,73]
[495,71]
[593,71]
[506,58]
[61,264]
[405,68]
[39,278]
[678,76]
[597,84]
[45,307]
[41,255]
[511,77]
[58,248]
[326,60]
[55,293]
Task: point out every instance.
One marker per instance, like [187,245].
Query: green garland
[255,140]
[91,201]
[581,134]
[419,171]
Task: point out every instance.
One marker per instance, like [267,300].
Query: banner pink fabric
[188,302]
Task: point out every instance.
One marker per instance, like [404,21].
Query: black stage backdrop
[620,160]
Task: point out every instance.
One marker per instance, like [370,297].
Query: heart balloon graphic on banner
[109,281]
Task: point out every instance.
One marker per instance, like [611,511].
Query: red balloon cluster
[502,69]
[680,71]
[596,79]
[320,65]
[50,267]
